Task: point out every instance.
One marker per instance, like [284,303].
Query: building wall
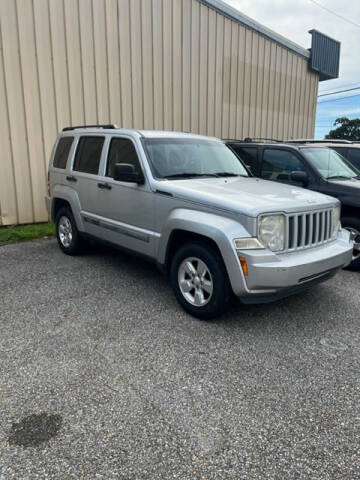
[163,64]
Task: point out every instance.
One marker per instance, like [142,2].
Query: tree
[347,129]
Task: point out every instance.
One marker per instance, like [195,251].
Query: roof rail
[249,140]
[311,140]
[261,139]
[110,126]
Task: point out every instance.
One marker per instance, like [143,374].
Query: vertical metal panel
[147,63]
[32,104]
[233,78]
[113,60]
[158,91]
[125,63]
[16,113]
[165,64]
[8,200]
[177,62]
[101,64]
[211,73]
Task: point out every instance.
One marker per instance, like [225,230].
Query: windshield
[330,164]
[174,158]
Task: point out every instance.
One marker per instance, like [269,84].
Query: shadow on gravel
[34,430]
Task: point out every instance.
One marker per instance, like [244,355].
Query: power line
[338,91]
[336,99]
[335,13]
[346,85]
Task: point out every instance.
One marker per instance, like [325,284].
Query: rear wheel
[353,225]
[200,281]
[67,234]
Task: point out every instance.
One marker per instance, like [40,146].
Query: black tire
[76,244]
[218,301]
[352,223]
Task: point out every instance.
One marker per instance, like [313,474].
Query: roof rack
[250,140]
[311,140]
[110,126]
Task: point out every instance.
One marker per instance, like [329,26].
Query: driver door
[126,210]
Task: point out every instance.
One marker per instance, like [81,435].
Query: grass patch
[21,233]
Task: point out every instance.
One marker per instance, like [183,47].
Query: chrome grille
[305,230]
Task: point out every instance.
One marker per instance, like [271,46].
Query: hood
[347,191]
[250,196]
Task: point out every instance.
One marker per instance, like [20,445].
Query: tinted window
[329,163]
[121,150]
[353,155]
[341,150]
[88,153]
[62,152]
[278,164]
[247,154]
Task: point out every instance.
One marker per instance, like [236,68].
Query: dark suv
[310,166]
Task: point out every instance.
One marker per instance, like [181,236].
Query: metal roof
[239,17]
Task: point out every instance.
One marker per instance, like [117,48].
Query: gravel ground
[102,375]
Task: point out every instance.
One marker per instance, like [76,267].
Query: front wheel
[200,281]
[353,225]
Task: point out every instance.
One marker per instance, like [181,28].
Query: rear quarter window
[62,152]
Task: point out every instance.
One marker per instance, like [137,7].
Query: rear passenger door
[84,177]
[126,210]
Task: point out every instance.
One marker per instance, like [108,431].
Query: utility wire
[335,13]
[346,85]
[338,91]
[336,99]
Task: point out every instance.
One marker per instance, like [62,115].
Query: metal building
[191,65]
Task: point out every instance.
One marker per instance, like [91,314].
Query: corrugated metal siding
[164,64]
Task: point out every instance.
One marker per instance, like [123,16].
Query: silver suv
[187,203]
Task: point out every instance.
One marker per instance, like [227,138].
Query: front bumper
[272,276]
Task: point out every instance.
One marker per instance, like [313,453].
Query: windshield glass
[330,164]
[190,158]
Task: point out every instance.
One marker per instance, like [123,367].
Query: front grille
[305,230]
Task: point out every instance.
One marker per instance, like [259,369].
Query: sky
[293,19]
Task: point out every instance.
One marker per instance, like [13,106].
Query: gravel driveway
[102,375]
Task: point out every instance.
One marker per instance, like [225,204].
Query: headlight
[336,223]
[272,232]
[250,243]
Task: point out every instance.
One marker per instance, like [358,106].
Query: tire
[208,293]
[352,223]
[67,234]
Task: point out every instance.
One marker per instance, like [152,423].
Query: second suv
[314,167]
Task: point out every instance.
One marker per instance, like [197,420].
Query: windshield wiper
[190,175]
[229,174]
[338,177]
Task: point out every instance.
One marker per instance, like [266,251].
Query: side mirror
[300,177]
[125,172]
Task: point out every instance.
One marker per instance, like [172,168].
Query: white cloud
[293,19]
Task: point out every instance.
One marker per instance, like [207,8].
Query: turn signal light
[244,266]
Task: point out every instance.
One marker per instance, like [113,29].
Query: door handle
[70,178]
[104,186]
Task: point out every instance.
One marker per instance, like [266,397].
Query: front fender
[221,230]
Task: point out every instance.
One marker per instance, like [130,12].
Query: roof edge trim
[239,17]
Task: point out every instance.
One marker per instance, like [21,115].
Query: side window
[122,150]
[62,152]
[353,155]
[88,154]
[247,154]
[278,164]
